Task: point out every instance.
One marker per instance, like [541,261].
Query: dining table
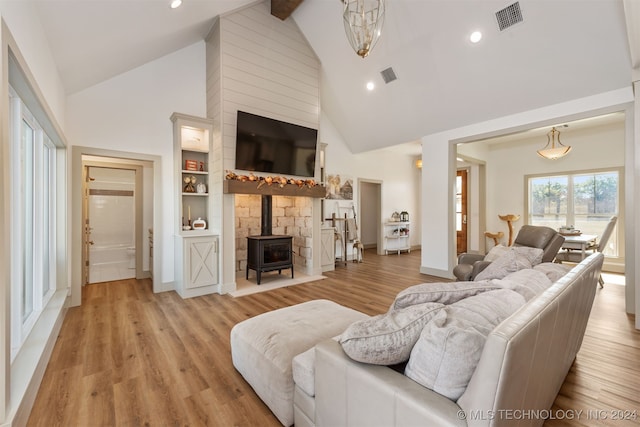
[579,242]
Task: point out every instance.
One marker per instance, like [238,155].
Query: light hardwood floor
[129,357]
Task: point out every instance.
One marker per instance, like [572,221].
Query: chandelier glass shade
[553,150]
[363,21]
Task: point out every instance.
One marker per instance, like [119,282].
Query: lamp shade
[363,21]
[553,150]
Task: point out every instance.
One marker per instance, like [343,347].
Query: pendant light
[553,150]
[363,20]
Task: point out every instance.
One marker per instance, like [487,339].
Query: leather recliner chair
[545,238]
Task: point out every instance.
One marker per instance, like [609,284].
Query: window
[585,200]
[33,218]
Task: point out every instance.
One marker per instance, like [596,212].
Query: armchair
[545,238]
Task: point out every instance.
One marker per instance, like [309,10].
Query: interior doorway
[151,209]
[370,206]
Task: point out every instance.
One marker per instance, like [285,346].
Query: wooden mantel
[233,186]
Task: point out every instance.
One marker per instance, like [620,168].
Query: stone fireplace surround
[292,216]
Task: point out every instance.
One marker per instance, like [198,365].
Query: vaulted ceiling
[563,50]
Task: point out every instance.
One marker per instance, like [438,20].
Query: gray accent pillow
[388,338]
[449,348]
[444,293]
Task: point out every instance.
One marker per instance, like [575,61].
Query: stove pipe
[266,218]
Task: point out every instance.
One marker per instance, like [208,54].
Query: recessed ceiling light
[370,86]
[175,4]
[475,37]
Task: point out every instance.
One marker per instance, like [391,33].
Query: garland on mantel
[281,181]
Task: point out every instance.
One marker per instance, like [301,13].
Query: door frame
[476,203]
[75,211]
[138,198]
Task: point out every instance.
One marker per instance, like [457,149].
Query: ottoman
[263,347]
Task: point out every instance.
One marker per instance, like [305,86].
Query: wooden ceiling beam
[284,8]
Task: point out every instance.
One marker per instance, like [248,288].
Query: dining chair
[600,246]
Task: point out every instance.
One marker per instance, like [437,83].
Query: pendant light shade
[363,20]
[553,150]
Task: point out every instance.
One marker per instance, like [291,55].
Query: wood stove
[268,252]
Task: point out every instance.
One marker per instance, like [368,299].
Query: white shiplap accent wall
[268,69]
[262,65]
[216,167]
[214,107]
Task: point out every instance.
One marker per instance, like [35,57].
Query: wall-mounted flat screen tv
[273,146]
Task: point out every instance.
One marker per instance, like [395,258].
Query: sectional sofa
[513,379]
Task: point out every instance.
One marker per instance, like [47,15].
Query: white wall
[397,171]
[130,113]
[24,23]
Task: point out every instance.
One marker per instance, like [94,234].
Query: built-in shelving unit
[196,268]
[396,236]
[192,140]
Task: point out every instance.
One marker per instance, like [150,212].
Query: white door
[110,224]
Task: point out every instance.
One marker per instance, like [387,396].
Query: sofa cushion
[444,293]
[387,339]
[303,366]
[513,260]
[447,352]
[527,282]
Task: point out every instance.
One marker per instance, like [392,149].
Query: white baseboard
[225,288]
[445,274]
[163,287]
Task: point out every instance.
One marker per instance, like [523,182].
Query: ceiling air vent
[509,16]
[388,75]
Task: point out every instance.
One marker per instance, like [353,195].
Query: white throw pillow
[449,348]
[554,271]
[496,252]
[444,293]
[508,263]
[388,338]
[534,255]
[527,282]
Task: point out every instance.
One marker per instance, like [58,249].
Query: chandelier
[363,20]
[552,151]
